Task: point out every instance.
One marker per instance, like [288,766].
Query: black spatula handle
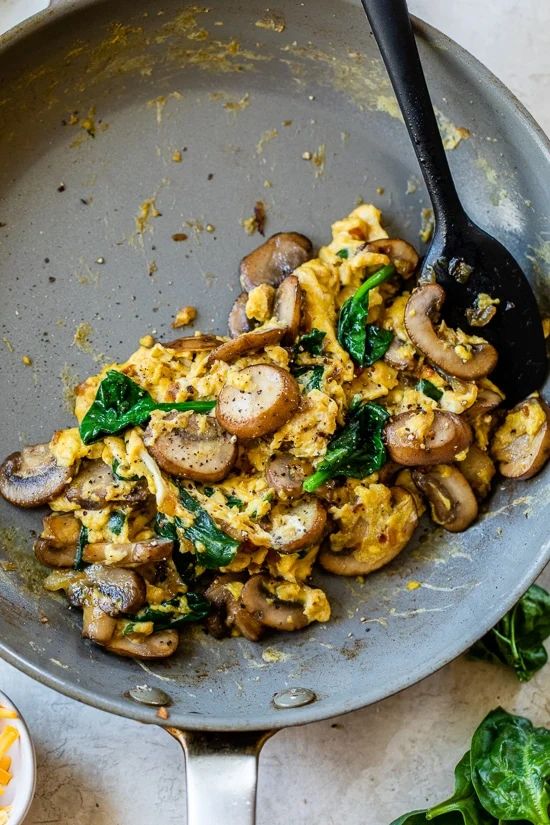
[391,26]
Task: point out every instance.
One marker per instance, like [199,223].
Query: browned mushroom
[448,436]
[402,255]
[521,444]
[268,398]
[424,304]
[224,595]
[238,321]
[32,477]
[115,590]
[478,469]
[286,474]
[156,646]
[259,597]
[96,624]
[128,554]
[252,341]
[193,447]
[56,547]
[368,549]
[288,308]
[95,485]
[276,258]
[194,343]
[399,355]
[453,504]
[486,401]
[297,526]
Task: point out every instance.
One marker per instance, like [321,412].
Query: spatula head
[466,262]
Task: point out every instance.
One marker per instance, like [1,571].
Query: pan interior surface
[125,123]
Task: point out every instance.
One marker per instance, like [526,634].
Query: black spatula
[466,260]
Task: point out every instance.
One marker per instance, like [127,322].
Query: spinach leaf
[114,469]
[82,542]
[352,323]
[116,522]
[429,389]
[233,501]
[311,342]
[464,800]
[167,529]
[343,253]
[357,450]
[412,818]
[188,607]
[121,403]
[213,547]
[511,768]
[517,640]
[377,343]
[309,376]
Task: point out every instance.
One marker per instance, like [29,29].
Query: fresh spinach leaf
[233,501]
[82,542]
[517,640]
[352,323]
[429,389]
[309,376]
[213,547]
[311,342]
[116,522]
[357,450]
[510,762]
[464,800]
[188,607]
[121,403]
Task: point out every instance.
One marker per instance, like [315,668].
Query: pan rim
[327,707]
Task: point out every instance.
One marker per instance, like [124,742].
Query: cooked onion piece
[265,398]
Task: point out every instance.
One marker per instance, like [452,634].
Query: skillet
[95,98]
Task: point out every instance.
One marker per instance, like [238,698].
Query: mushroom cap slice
[297,526]
[449,435]
[486,401]
[426,302]
[478,469]
[115,590]
[198,449]
[521,444]
[95,486]
[252,341]
[288,308]
[259,597]
[364,555]
[51,556]
[285,474]
[276,258]
[238,321]
[453,504]
[156,646]
[32,476]
[128,554]
[223,593]
[97,625]
[193,343]
[402,255]
[269,397]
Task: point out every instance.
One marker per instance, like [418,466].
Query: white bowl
[20,791]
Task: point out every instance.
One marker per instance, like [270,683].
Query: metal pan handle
[222,773]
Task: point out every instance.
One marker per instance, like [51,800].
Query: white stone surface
[362,769]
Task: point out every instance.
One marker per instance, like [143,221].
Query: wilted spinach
[121,403]
[429,389]
[116,522]
[81,544]
[357,450]
[188,607]
[366,343]
[311,342]
[213,547]
[233,501]
[309,376]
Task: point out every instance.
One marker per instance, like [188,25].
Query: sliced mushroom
[276,258]
[33,477]
[51,556]
[423,305]
[95,485]
[198,449]
[97,625]
[128,554]
[116,590]
[269,397]
[56,547]
[448,436]
[194,343]
[259,597]
[288,308]
[297,526]
[366,552]
[453,504]
[402,255]
[486,401]
[238,321]
[156,646]
[521,444]
[400,355]
[260,338]
[229,613]
[286,474]
[478,469]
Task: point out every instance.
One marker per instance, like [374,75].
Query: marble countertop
[365,768]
